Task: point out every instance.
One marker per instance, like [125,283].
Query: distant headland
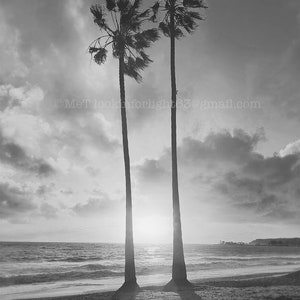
[287,242]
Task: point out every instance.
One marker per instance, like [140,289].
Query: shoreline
[281,286]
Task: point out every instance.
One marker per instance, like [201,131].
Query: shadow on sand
[185,292]
[125,295]
[188,295]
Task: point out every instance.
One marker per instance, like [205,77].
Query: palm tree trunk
[130,278]
[179,268]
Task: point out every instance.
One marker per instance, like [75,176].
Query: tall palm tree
[120,23]
[178,16]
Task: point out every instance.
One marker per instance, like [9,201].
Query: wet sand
[258,287]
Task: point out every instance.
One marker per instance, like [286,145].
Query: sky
[61,160]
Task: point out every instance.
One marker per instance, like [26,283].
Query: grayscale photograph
[149,149]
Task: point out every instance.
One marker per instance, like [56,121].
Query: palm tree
[120,23]
[178,16]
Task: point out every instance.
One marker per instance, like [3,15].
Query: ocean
[33,270]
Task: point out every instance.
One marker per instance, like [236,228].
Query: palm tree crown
[185,16]
[122,31]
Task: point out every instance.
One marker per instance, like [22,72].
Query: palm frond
[137,3]
[194,4]
[126,37]
[130,41]
[131,70]
[151,35]
[123,5]
[140,63]
[141,42]
[164,27]
[145,38]
[154,9]
[93,50]
[99,17]
[100,54]
[133,66]
[167,5]
[184,13]
[98,14]
[130,23]
[145,57]
[178,33]
[186,22]
[110,5]
[194,15]
[144,14]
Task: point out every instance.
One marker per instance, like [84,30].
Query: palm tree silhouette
[121,22]
[178,16]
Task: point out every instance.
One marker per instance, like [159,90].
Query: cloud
[48,45]
[49,142]
[291,148]
[223,146]
[226,171]
[45,189]
[44,60]
[14,201]
[152,178]
[274,170]
[86,132]
[17,204]
[67,192]
[279,81]
[254,196]
[48,211]
[15,156]
[95,206]
[12,67]
[151,170]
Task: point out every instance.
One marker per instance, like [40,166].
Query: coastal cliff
[292,242]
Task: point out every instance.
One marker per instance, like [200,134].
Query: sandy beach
[260,287]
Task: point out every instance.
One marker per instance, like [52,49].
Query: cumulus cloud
[50,44]
[291,148]
[255,197]
[14,201]
[222,146]
[275,170]
[18,203]
[226,170]
[28,130]
[15,156]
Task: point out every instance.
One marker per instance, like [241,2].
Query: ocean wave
[74,259]
[252,258]
[96,271]
[41,263]
[54,277]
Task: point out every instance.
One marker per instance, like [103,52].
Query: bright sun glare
[152,229]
